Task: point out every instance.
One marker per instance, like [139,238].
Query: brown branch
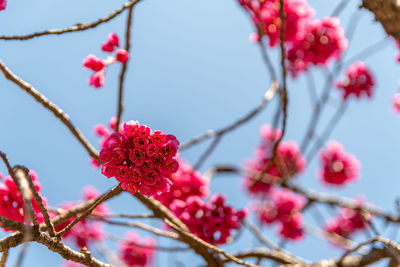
[111,193]
[76,28]
[57,111]
[56,245]
[144,227]
[160,211]
[4,257]
[387,12]
[38,198]
[276,256]
[124,68]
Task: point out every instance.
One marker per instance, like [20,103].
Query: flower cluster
[323,40]
[12,204]
[99,66]
[3,4]
[85,231]
[186,182]
[288,161]
[135,252]
[266,16]
[338,167]
[212,222]
[139,159]
[358,81]
[282,206]
[348,222]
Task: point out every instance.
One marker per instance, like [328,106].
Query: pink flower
[283,207]
[266,15]
[101,130]
[111,42]
[122,55]
[12,203]
[3,4]
[322,41]
[95,164]
[358,81]
[396,103]
[338,167]
[212,222]
[140,160]
[288,161]
[97,79]
[93,63]
[186,182]
[135,251]
[348,222]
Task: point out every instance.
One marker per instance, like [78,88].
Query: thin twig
[76,28]
[57,111]
[120,104]
[4,257]
[111,193]
[269,94]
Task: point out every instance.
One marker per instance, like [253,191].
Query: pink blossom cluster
[322,41]
[86,231]
[338,167]
[140,160]
[309,41]
[12,203]
[134,251]
[288,161]
[282,206]
[99,66]
[359,81]
[186,182]
[266,16]
[212,221]
[348,222]
[3,4]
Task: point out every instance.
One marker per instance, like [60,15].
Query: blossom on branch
[12,202]
[99,66]
[358,82]
[86,231]
[322,42]
[282,206]
[338,167]
[186,182]
[212,222]
[266,16]
[140,160]
[134,251]
[288,161]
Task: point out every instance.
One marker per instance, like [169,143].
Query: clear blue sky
[192,69]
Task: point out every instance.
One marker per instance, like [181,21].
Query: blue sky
[192,69]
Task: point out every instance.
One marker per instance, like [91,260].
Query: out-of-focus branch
[4,257]
[120,104]
[268,96]
[387,12]
[76,28]
[111,193]
[57,111]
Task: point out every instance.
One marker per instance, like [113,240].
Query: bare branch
[76,28]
